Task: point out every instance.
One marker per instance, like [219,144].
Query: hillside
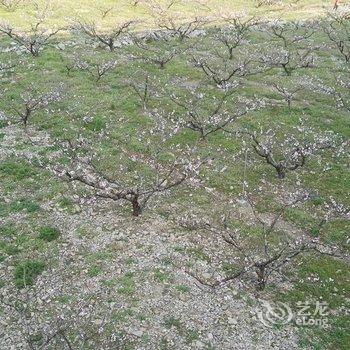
[174,175]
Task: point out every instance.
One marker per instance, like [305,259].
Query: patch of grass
[94,271]
[26,272]
[36,340]
[9,249]
[336,336]
[130,261]
[123,315]
[96,124]
[48,233]
[182,288]
[191,335]
[198,254]
[328,280]
[171,321]
[17,170]
[127,284]
[161,276]
[67,204]
[229,269]
[22,204]
[3,124]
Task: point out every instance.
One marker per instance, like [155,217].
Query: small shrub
[26,272]
[48,234]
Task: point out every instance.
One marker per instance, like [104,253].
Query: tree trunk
[136,208]
[281,172]
[111,44]
[230,50]
[260,271]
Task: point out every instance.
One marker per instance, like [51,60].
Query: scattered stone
[137,332]
[232,321]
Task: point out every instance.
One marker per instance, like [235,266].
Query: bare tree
[105,11]
[289,60]
[35,39]
[135,2]
[207,115]
[141,84]
[222,72]
[222,61]
[109,37]
[96,68]
[235,32]
[38,323]
[297,50]
[288,93]
[330,211]
[68,63]
[10,5]
[337,29]
[31,100]
[143,177]
[339,90]
[160,52]
[181,29]
[290,152]
[292,32]
[261,3]
[173,22]
[267,254]
[160,6]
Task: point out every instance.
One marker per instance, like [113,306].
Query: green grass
[47,233]
[326,280]
[123,10]
[27,271]
[94,271]
[198,254]
[189,335]
[182,288]
[161,276]
[127,284]
[16,170]
[109,115]
[23,204]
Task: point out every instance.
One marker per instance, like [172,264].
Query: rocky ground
[126,281]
